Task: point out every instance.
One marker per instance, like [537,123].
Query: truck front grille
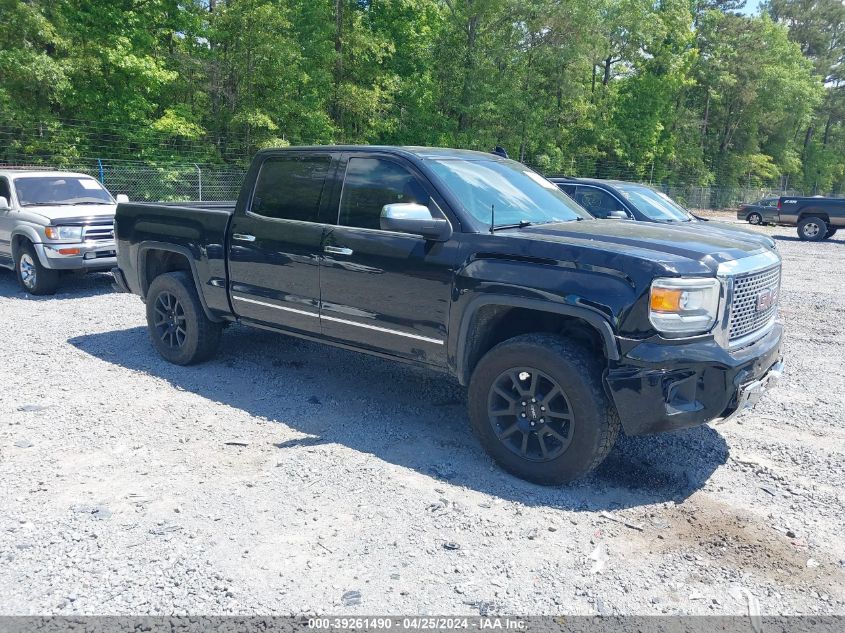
[100,232]
[748,314]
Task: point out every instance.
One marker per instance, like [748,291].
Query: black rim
[530,414]
[170,322]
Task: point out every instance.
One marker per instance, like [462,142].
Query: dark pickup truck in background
[563,327]
[816,218]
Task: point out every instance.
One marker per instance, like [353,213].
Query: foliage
[668,91]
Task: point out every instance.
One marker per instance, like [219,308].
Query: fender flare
[141,261]
[33,238]
[589,315]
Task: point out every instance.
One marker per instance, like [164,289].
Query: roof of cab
[408,150]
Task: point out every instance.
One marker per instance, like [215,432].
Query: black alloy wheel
[530,414]
[170,322]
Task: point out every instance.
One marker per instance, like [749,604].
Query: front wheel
[537,405]
[32,276]
[812,229]
[755,218]
[178,327]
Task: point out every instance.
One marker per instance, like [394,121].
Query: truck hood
[668,244]
[74,214]
[734,229]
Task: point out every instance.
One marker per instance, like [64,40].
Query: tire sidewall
[577,377]
[174,284]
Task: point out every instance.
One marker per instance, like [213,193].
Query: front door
[274,243]
[381,290]
[6,222]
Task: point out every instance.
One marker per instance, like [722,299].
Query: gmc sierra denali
[562,327]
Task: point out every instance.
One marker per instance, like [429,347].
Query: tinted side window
[569,190]
[289,187]
[4,190]
[597,202]
[372,183]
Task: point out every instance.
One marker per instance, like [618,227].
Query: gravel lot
[288,477]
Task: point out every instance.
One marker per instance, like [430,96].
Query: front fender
[31,235]
[596,297]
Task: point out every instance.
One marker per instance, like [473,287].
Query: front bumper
[659,387]
[88,256]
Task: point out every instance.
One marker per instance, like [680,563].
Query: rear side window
[372,183]
[4,190]
[289,187]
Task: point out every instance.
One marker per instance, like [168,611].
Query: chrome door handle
[337,250]
[243,237]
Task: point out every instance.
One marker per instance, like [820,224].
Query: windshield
[654,204]
[514,193]
[60,190]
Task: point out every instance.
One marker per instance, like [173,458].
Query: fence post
[199,180]
[100,170]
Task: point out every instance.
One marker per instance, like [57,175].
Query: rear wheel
[812,229]
[177,324]
[537,405]
[32,276]
[754,218]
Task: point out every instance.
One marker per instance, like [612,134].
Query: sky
[751,7]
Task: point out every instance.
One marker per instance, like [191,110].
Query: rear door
[274,245]
[385,291]
[769,209]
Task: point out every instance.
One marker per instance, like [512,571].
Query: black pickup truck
[816,218]
[563,327]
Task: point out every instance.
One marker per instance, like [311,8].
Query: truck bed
[195,231]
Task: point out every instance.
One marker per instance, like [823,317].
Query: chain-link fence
[168,182]
[196,182]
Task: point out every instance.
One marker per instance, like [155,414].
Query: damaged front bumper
[658,387]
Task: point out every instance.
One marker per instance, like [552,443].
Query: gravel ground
[288,477]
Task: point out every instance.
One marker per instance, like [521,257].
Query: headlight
[64,233]
[684,306]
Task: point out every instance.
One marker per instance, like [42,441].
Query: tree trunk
[338,62]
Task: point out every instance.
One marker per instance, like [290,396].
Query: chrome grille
[99,232]
[745,318]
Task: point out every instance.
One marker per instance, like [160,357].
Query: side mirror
[416,219]
[121,197]
[4,204]
[618,214]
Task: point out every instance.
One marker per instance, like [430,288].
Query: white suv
[52,221]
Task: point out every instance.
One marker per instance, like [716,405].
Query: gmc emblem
[766,299]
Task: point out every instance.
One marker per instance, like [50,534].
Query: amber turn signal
[68,251]
[666,299]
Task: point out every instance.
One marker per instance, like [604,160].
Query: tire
[506,374]
[812,229]
[32,276]
[178,327]
[755,218]
[831,231]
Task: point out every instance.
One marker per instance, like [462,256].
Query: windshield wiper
[517,225]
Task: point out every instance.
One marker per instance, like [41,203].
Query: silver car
[53,221]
